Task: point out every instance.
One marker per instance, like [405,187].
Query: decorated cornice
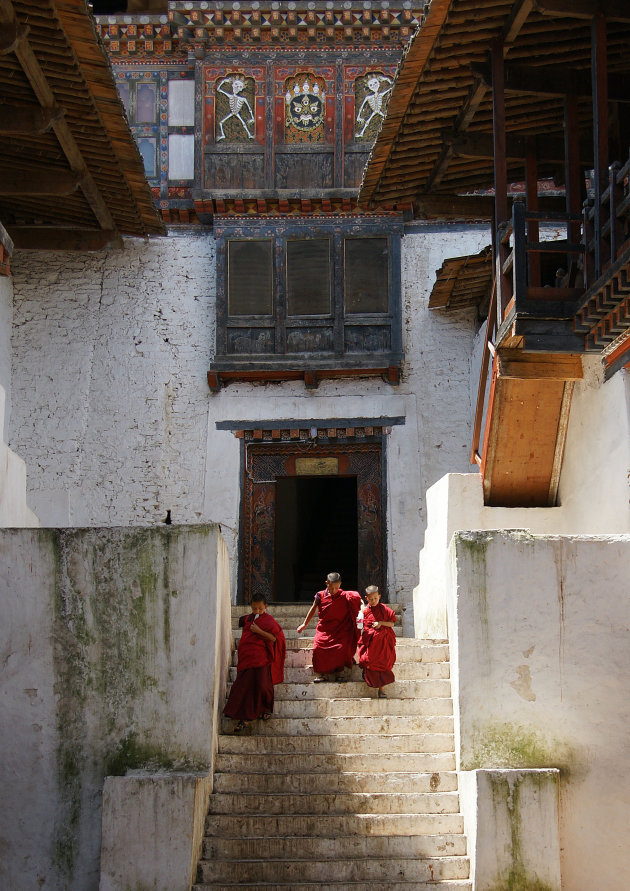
[191,27]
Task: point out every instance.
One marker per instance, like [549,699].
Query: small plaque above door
[316,466]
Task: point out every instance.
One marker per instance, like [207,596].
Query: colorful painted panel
[372,93]
[234,106]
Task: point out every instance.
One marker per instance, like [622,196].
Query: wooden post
[599,73]
[573,172]
[531,187]
[500,167]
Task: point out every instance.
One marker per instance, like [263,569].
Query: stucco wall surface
[114,644]
[115,420]
[541,666]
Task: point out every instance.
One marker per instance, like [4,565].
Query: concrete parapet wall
[114,648]
[511,823]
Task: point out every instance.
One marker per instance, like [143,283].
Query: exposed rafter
[613,10]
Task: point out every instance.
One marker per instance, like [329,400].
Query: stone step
[340,870]
[434,688]
[334,803]
[453,885]
[304,655]
[337,781]
[406,671]
[334,826]
[366,706]
[279,726]
[347,846]
[368,744]
[297,609]
[337,761]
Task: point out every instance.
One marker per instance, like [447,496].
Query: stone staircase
[340,789]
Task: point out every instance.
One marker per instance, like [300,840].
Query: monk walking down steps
[261,654]
[377,645]
[336,636]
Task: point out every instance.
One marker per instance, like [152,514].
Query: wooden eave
[440,94]
[68,162]
[462,282]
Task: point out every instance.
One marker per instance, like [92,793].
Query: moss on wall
[514,746]
[112,639]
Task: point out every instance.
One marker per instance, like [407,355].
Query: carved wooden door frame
[264,463]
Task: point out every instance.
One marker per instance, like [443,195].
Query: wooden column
[573,172]
[600,126]
[531,187]
[500,168]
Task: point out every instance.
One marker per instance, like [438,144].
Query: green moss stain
[113,596]
[506,792]
[514,746]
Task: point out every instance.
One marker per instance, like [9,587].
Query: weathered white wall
[114,647]
[541,665]
[116,422]
[6,324]
[512,829]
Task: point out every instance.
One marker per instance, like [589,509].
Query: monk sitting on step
[377,646]
[336,636]
[261,654]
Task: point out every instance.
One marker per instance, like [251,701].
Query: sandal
[240,725]
[340,679]
[265,716]
[320,679]
[382,694]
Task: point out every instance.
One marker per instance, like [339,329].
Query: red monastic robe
[377,647]
[336,636]
[260,666]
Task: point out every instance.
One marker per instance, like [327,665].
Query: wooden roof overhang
[490,92]
[436,143]
[462,282]
[71,176]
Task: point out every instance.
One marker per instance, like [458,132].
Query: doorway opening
[316,533]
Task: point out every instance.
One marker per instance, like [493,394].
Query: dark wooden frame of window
[275,345]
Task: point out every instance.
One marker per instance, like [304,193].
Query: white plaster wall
[6,324]
[539,646]
[114,648]
[116,422]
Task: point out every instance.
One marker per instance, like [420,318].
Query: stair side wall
[541,668]
[115,643]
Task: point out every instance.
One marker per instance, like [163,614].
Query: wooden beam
[549,149]
[37,79]
[471,207]
[469,109]
[550,81]
[36,182]
[11,35]
[45,238]
[599,66]
[519,365]
[612,10]
[16,120]
[516,20]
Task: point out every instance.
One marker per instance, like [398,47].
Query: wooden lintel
[11,35]
[549,81]
[18,121]
[37,182]
[44,238]
[613,10]
[518,365]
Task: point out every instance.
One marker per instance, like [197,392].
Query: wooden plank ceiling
[71,176]
[463,281]
[436,142]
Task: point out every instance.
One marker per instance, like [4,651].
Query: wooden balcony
[537,331]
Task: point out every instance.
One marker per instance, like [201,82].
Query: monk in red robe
[377,646]
[261,654]
[336,635]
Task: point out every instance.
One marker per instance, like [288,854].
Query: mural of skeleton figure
[238,105]
[374,101]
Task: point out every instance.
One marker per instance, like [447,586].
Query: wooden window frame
[283,346]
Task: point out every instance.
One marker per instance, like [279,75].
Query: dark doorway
[316,533]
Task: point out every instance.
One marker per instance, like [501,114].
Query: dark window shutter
[366,275]
[308,277]
[250,278]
